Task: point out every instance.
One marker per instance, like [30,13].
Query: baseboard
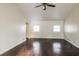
[46,38]
[72,43]
[13,51]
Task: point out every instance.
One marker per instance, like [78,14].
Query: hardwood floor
[48,47]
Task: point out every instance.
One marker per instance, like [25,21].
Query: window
[56,28]
[36,28]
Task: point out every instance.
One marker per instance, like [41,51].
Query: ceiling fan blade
[51,5]
[44,7]
[38,6]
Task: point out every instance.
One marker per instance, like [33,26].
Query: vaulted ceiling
[60,12]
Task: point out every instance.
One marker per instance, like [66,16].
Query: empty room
[39,29]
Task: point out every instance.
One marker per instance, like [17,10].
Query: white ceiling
[60,12]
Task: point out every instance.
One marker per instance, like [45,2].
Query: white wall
[12,24]
[46,29]
[72,27]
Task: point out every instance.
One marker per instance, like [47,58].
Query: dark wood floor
[48,47]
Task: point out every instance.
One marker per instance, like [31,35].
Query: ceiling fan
[44,5]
